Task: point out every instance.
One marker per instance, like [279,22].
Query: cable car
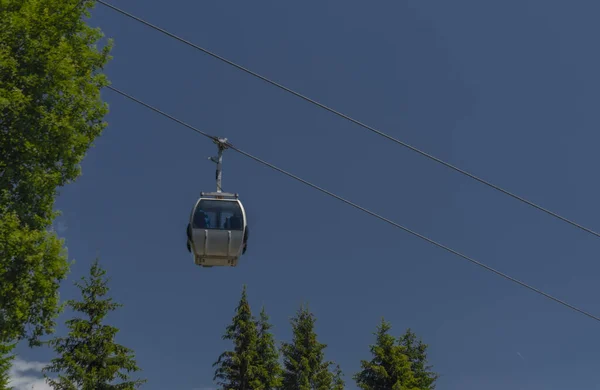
[217,232]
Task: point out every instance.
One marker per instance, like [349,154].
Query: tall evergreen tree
[304,362]
[238,369]
[390,368]
[269,369]
[416,351]
[88,358]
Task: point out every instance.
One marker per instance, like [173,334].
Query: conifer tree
[238,369]
[269,369]
[416,351]
[304,362]
[88,358]
[389,368]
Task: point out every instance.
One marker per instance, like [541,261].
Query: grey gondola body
[221,242]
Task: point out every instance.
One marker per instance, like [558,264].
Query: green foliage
[32,263]
[50,106]
[88,358]
[338,379]
[6,358]
[389,368]
[50,113]
[304,362]
[253,364]
[269,369]
[417,355]
[237,369]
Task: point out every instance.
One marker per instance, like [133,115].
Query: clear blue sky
[507,90]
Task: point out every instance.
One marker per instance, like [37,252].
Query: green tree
[416,351]
[338,379]
[50,106]
[29,279]
[238,369]
[5,363]
[269,369]
[88,358]
[389,368]
[304,362]
[50,113]
[30,273]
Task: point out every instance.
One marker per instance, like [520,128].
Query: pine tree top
[236,369]
[89,358]
[304,363]
[416,351]
[268,367]
[389,367]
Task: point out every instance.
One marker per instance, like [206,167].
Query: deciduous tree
[6,358]
[32,263]
[50,105]
[50,113]
[338,379]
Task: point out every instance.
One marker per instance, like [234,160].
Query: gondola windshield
[218,214]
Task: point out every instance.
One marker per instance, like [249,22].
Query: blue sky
[506,90]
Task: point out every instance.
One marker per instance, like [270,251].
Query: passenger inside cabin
[201,220]
[233,223]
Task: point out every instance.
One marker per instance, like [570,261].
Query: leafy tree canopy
[50,113]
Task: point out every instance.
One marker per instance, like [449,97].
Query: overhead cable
[363,209]
[365,126]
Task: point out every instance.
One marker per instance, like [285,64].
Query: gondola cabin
[217,232]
